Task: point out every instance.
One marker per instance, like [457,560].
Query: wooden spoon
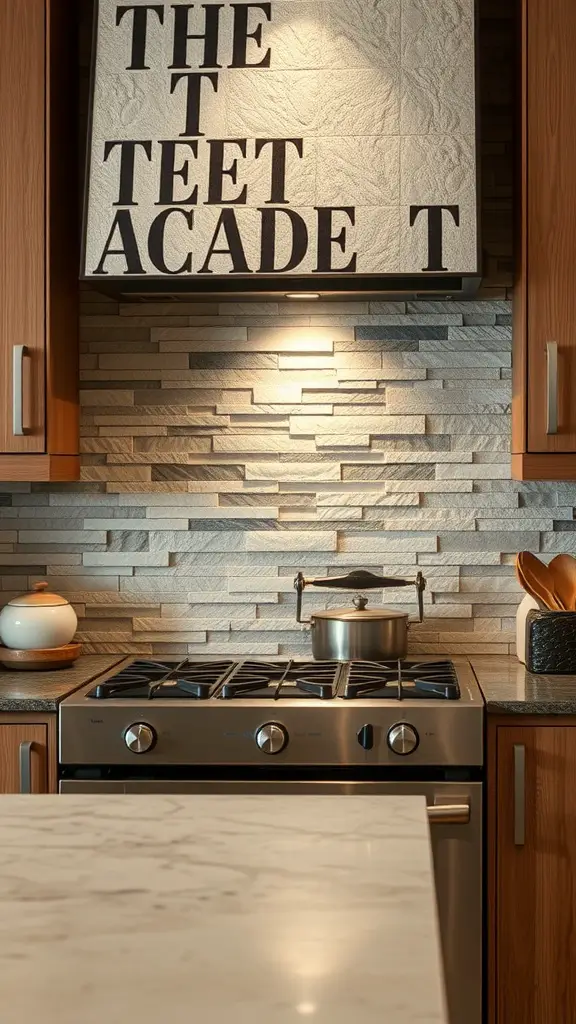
[563,571]
[537,580]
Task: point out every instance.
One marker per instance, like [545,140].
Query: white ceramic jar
[37,621]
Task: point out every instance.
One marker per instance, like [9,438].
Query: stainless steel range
[294,726]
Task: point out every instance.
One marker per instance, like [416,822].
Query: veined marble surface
[209,909]
[508,688]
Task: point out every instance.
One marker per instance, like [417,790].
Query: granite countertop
[218,908]
[43,691]
[509,689]
[506,685]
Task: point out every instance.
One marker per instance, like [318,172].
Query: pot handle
[299,583]
[420,584]
[360,579]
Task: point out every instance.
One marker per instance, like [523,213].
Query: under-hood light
[302,295]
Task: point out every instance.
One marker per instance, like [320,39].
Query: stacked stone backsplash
[228,446]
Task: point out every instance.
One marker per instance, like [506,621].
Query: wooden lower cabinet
[28,754]
[532,871]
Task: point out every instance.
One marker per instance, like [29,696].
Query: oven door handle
[449,814]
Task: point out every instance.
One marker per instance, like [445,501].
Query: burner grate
[149,680]
[402,680]
[283,680]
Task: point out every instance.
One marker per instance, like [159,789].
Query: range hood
[290,146]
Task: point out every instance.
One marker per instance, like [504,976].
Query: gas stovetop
[286,712]
[281,680]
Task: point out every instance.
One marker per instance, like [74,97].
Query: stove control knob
[139,738]
[271,738]
[403,738]
[365,737]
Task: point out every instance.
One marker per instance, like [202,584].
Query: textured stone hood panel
[380,93]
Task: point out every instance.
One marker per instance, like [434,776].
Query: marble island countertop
[217,908]
[509,689]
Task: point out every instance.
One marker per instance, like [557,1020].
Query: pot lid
[359,614]
[38,598]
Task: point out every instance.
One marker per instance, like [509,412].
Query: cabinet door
[22,225]
[550,154]
[536,875]
[23,758]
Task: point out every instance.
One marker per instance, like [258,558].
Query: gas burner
[402,680]
[283,680]
[150,680]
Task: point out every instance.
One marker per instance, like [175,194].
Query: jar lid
[38,598]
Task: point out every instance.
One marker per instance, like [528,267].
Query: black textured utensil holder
[551,642]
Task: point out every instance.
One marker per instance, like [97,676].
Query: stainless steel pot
[358,633]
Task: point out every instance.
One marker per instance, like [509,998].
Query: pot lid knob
[360,602]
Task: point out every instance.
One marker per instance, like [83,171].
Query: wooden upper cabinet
[22,198]
[38,241]
[544,402]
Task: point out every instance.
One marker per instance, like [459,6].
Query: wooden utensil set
[553,585]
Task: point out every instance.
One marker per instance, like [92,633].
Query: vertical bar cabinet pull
[26,766]
[552,387]
[19,352]
[519,794]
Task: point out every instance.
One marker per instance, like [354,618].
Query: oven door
[455,814]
